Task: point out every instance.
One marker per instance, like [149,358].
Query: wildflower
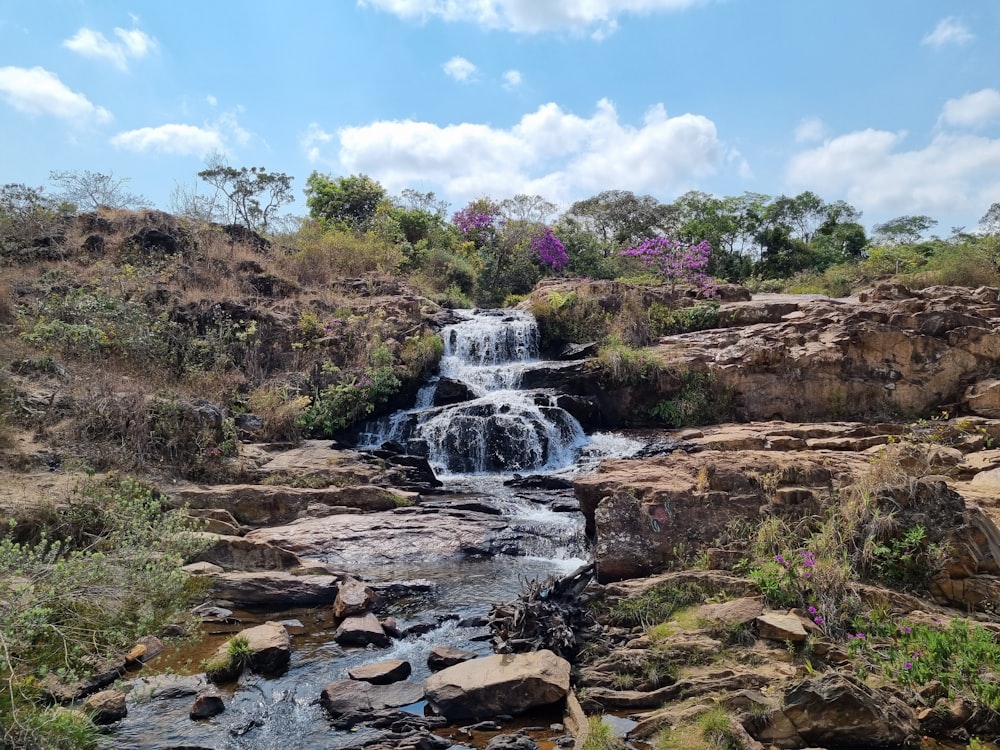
[779,559]
[905,629]
[812,610]
[818,619]
[908,665]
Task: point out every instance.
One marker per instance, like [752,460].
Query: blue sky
[891,105]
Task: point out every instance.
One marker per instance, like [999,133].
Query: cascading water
[476,427]
[473,418]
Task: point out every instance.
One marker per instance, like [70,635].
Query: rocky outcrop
[502,684]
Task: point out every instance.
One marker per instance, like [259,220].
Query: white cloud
[460,69]
[972,110]
[212,101]
[132,44]
[809,130]
[512,79]
[38,91]
[948,31]
[557,154]
[185,140]
[530,16]
[872,170]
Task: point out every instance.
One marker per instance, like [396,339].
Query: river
[477,428]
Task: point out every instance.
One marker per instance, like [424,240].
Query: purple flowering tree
[549,250]
[676,262]
[480,221]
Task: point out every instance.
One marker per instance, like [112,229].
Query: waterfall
[473,418]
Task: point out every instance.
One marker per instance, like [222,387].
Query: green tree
[253,194]
[903,229]
[990,223]
[347,201]
[620,218]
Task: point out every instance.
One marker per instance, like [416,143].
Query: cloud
[132,44]
[38,91]
[972,110]
[184,140]
[554,153]
[460,69]
[948,31]
[809,129]
[512,79]
[873,170]
[530,16]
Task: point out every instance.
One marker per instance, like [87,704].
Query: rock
[166,687]
[207,704]
[450,391]
[146,648]
[774,626]
[442,657]
[361,631]
[731,614]
[236,553]
[270,648]
[983,398]
[832,710]
[539,482]
[275,590]
[349,702]
[624,547]
[381,673]
[106,707]
[511,742]
[353,598]
[501,684]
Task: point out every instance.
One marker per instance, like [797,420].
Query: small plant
[665,321]
[717,730]
[226,665]
[623,365]
[601,737]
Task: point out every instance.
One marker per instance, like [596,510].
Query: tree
[26,213]
[903,229]
[676,262]
[348,201]
[620,218]
[523,207]
[254,195]
[990,223]
[89,191]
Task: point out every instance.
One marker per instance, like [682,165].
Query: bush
[623,365]
[572,318]
[666,321]
[105,573]
[322,255]
[699,400]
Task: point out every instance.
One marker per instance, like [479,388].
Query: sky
[890,105]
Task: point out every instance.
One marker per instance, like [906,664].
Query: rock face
[501,684]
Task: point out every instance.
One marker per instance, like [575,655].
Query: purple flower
[779,559]
[812,610]
[905,629]
[676,262]
[818,619]
[549,250]
[908,665]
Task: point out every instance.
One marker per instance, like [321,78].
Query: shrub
[227,665]
[324,254]
[600,736]
[665,321]
[623,365]
[699,400]
[106,572]
[348,401]
[575,317]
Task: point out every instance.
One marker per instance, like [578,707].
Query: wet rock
[275,590]
[166,687]
[511,742]
[146,648]
[206,705]
[381,673]
[353,598]
[419,628]
[442,657]
[450,391]
[270,648]
[539,482]
[106,707]
[502,684]
[361,631]
[349,702]
[237,553]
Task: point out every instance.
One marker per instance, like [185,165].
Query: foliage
[26,213]
[575,317]
[601,736]
[254,195]
[903,229]
[699,400]
[676,262]
[716,729]
[89,191]
[549,250]
[963,657]
[657,605]
[619,218]
[228,664]
[623,365]
[106,573]
[323,254]
[666,321]
[347,202]
[352,397]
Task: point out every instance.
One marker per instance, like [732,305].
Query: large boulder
[831,710]
[500,684]
[361,631]
[353,598]
[274,590]
[349,702]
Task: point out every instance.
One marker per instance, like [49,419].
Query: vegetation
[229,663]
[103,572]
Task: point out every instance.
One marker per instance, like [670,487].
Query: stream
[477,428]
